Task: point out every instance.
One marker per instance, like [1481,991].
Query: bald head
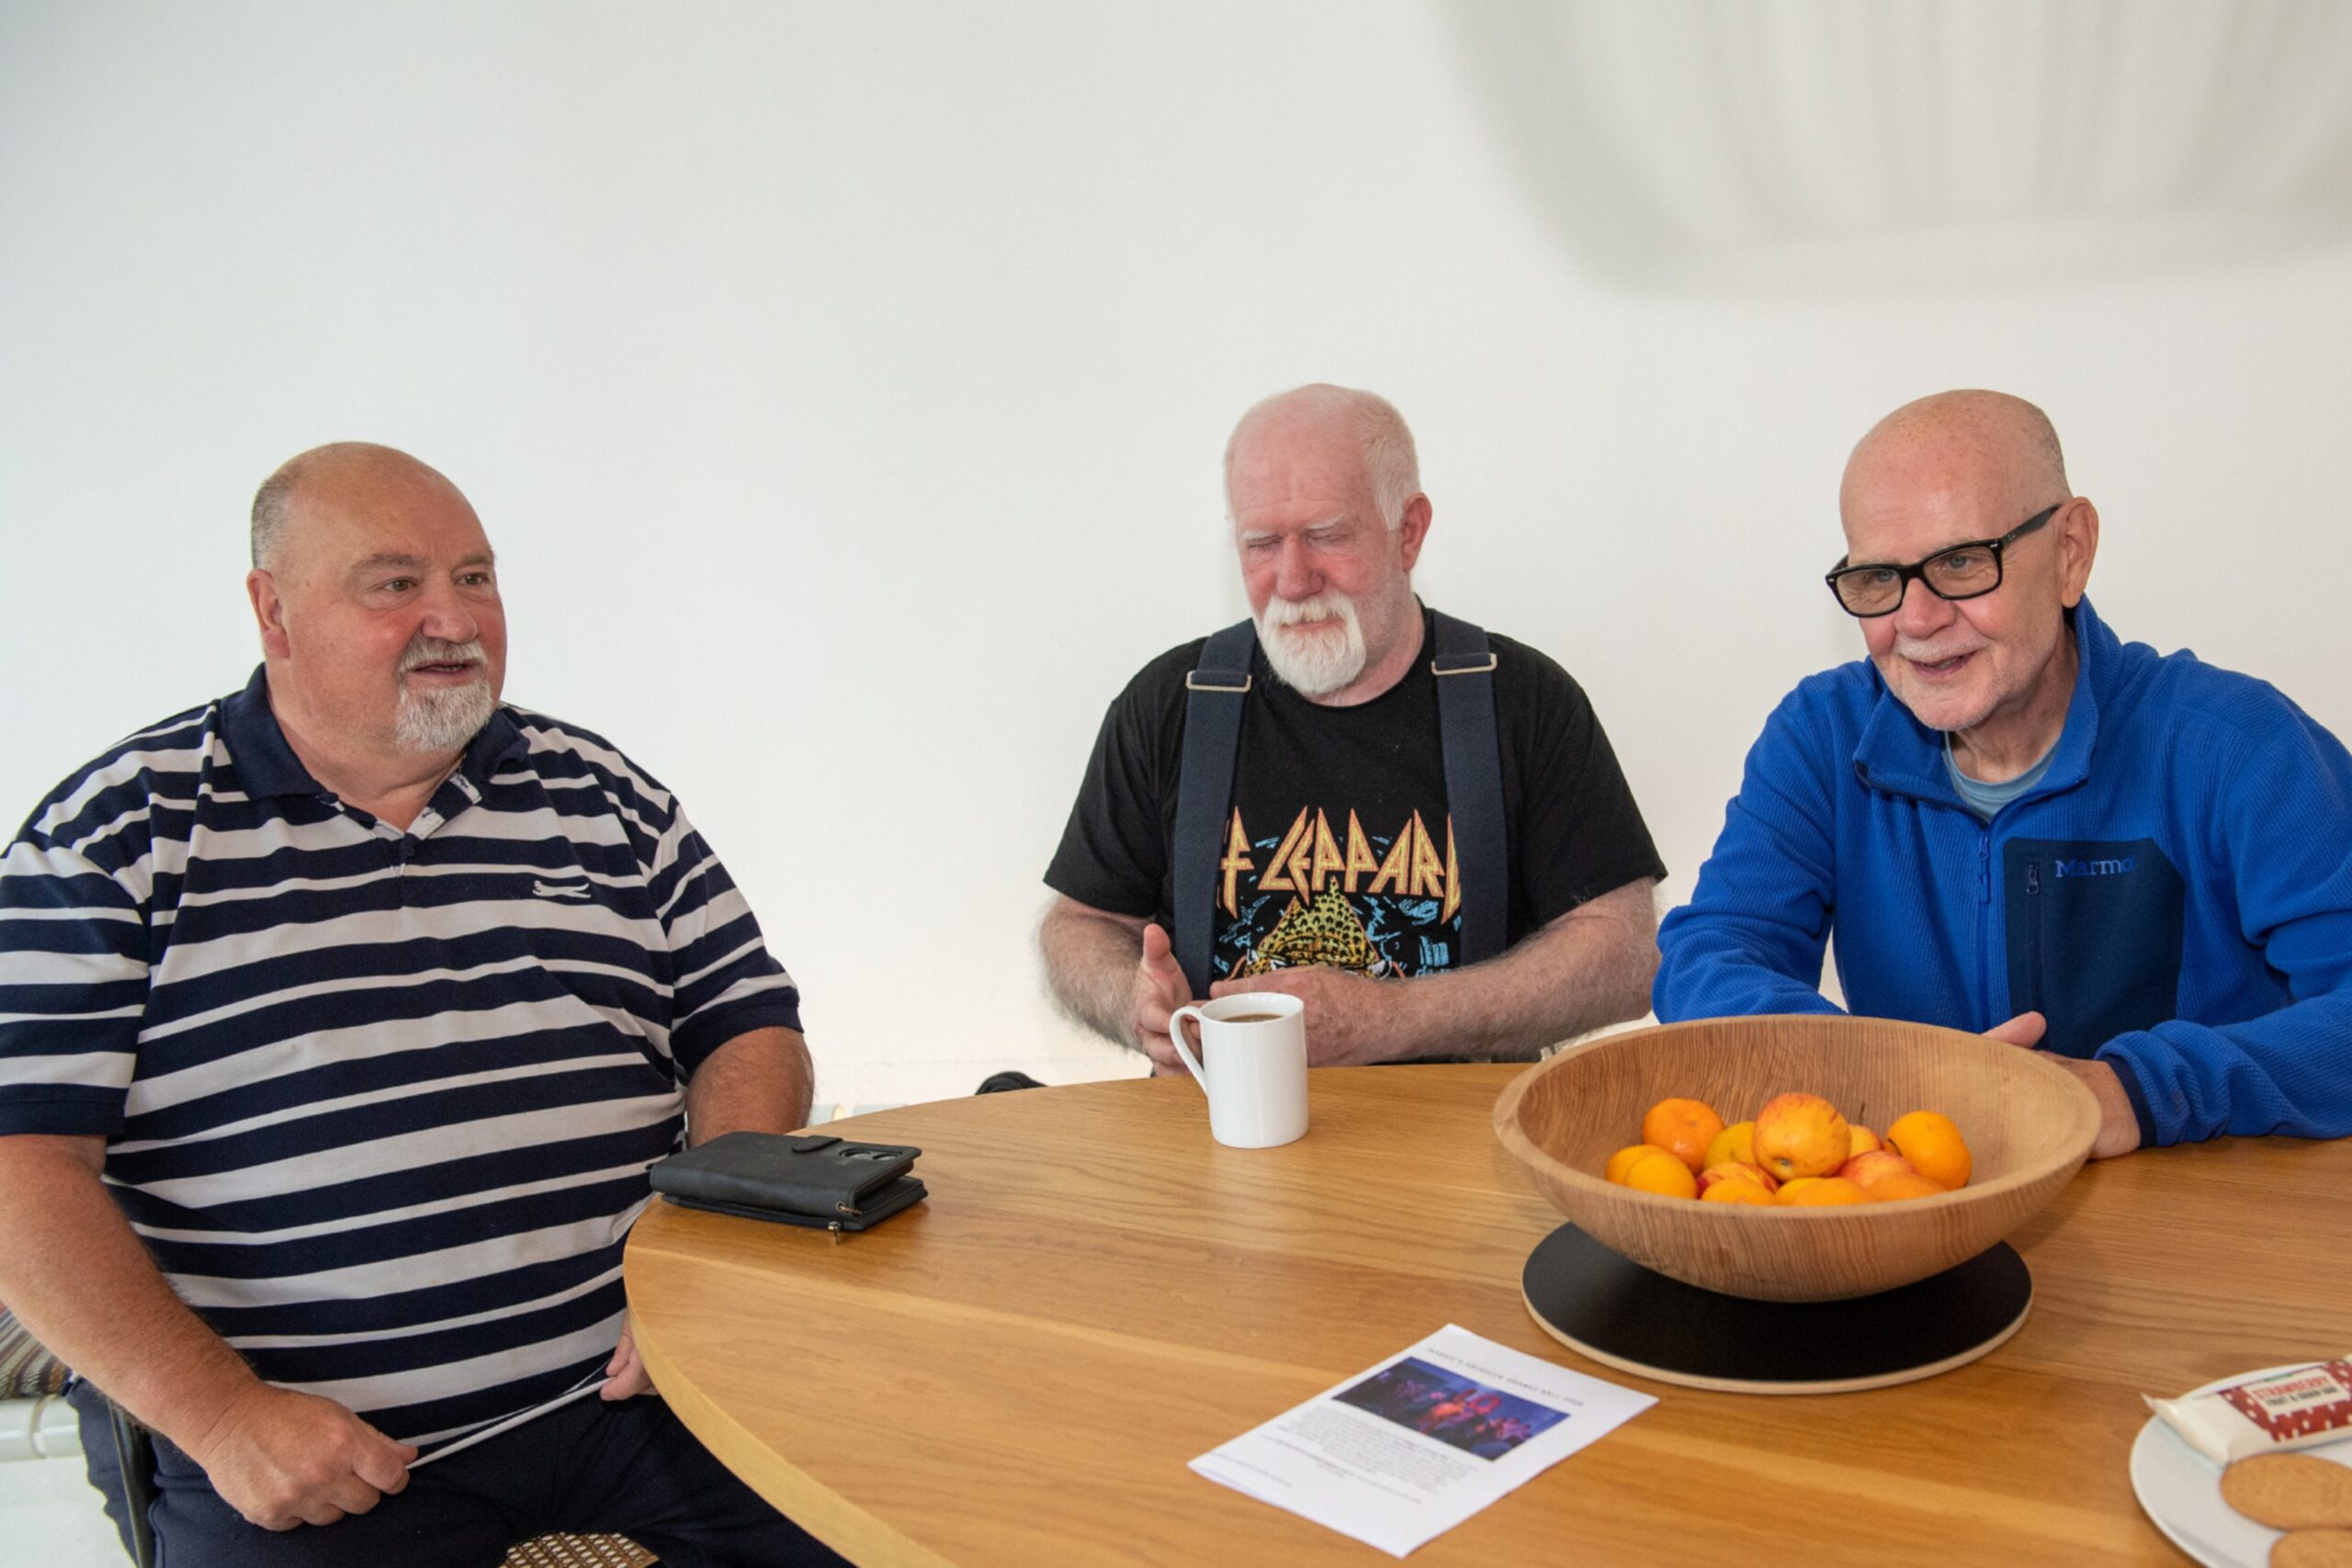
[343,473]
[1321,412]
[1988,660]
[1985,443]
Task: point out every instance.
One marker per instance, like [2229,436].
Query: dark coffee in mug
[1249,1017]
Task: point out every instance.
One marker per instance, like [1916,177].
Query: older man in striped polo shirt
[340,1020]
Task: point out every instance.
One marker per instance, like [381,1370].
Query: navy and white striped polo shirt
[379,1103]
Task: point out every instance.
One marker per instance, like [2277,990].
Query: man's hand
[1160,989]
[2025,1030]
[283,1458]
[627,1373]
[2118,1126]
[1345,1012]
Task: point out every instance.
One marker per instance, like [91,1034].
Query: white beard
[1317,663]
[442,719]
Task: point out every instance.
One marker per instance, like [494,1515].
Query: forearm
[1590,967]
[757,1082]
[1090,957]
[1718,974]
[79,1280]
[2279,1073]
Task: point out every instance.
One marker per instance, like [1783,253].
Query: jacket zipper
[2033,933]
[1984,919]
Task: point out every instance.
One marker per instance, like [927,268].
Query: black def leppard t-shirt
[1339,848]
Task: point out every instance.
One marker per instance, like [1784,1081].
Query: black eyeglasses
[1964,572]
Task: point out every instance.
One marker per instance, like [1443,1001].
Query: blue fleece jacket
[2175,895]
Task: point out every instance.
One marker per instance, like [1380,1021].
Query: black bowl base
[1603,1305]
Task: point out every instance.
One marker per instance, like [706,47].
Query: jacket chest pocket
[2094,936]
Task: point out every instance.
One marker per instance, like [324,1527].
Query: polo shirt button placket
[402,849]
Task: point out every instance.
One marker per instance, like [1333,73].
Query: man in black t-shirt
[1337,871]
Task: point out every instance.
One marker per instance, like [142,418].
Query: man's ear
[269,613]
[2078,547]
[1413,529]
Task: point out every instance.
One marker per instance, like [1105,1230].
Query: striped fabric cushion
[26,1369]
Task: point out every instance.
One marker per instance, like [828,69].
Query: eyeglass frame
[1917,570]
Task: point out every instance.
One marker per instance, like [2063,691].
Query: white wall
[844,387]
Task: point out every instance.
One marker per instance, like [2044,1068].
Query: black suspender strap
[1214,693]
[1465,666]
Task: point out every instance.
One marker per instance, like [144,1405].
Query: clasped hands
[1344,1010]
[2119,1125]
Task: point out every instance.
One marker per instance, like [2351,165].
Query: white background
[844,387]
[844,384]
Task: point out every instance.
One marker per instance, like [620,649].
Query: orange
[1799,1185]
[1662,1173]
[1864,1139]
[1801,1135]
[1828,1191]
[1736,1145]
[1736,1192]
[1934,1148]
[1683,1128]
[1623,1160]
[1901,1184]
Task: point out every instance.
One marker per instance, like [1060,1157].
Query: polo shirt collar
[1899,754]
[269,767]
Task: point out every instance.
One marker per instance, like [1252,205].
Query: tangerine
[1683,1128]
[1662,1173]
[1623,1160]
[1821,1193]
[1895,1186]
[1736,1145]
[1933,1145]
[1737,1192]
[1865,1141]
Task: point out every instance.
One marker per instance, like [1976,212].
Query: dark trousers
[629,1468]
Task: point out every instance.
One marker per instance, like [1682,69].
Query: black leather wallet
[797,1179]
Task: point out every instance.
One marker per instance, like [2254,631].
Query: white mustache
[434,651]
[1327,605]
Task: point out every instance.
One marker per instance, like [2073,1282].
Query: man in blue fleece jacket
[2017,823]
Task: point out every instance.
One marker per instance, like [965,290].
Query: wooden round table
[1017,1371]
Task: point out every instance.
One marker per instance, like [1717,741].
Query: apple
[1801,1135]
[1733,1171]
[1863,1169]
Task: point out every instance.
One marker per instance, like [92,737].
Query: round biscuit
[2313,1549]
[2291,1492]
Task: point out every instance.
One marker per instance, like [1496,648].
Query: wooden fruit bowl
[2029,1125]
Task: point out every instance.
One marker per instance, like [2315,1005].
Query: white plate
[2181,1489]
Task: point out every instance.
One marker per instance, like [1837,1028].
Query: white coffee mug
[1256,1073]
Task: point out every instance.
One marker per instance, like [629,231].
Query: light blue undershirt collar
[1985,800]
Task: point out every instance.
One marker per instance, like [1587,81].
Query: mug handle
[1176,1033]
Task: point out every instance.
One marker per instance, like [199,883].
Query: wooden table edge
[807,1501]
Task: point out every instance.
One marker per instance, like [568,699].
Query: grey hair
[272,503]
[273,511]
[1389,459]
